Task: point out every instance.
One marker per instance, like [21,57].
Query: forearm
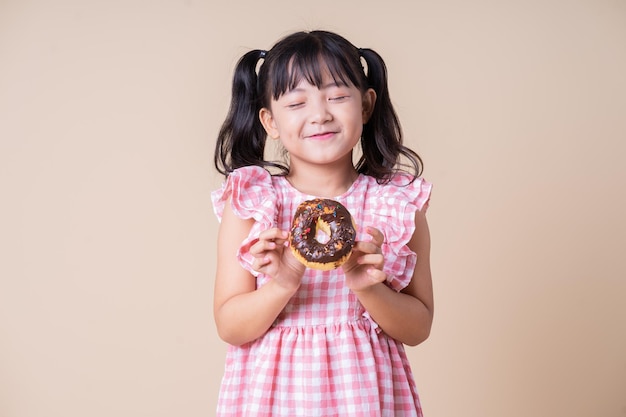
[401,316]
[247,316]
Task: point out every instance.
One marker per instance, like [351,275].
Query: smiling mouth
[322,135]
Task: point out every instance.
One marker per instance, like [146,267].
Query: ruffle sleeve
[397,204]
[251,196]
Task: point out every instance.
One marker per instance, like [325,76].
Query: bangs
[312,65]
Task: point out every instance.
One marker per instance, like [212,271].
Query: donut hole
[322,231]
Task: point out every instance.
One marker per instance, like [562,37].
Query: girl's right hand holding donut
[273,258]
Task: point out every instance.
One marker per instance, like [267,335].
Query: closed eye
[339,98]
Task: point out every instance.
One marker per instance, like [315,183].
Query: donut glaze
[336,226]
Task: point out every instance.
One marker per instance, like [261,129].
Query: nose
[320,112]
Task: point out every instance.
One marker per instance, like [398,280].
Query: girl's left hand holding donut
[364,268]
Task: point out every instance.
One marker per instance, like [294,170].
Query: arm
[406,316]
[242,312]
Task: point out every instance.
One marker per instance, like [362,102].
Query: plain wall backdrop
[108,116]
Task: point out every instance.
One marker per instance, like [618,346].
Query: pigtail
[383,151]
[241,139]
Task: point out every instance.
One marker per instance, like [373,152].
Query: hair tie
[262,54]
[360,51]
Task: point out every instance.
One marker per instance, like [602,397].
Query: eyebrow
[323,87]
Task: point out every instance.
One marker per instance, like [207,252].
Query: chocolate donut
[322,234]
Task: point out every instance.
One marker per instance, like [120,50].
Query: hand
[364,268]
[273,258]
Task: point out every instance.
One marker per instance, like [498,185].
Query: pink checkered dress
[324,355]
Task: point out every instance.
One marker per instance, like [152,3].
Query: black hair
[307,55]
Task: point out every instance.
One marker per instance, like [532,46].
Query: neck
[322,181]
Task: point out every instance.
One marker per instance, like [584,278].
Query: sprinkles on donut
[322,234]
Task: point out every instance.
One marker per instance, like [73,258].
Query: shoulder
[248,189]
[249,176]
[402,189]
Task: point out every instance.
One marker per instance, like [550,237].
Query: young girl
[305,342]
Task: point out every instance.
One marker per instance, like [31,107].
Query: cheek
[357,116]
[284,118]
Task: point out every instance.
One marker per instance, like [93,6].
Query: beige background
[108,116]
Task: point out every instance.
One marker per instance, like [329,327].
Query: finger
[368,247]
[376,260]
[259,263]
[377,275]
[269,240]
[274,234]
[377,236]
[261,247]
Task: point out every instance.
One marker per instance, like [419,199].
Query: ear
[268,122]
[369,100]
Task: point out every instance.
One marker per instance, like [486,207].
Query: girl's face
[319,125]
